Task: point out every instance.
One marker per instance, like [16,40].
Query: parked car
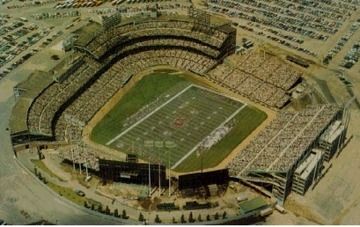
[80,193]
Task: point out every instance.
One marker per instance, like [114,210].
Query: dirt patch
[303,210]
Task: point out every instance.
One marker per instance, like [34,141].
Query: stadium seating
[48,103]
[120,34]
[62,109]
[261,77]
[280,145]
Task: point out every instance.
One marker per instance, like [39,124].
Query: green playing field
[173,120]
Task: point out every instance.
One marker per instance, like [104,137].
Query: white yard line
[197,145]
[147,116]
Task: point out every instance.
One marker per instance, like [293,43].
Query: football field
[181,123]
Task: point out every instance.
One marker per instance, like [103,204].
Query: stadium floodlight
[149,144]
[169,163]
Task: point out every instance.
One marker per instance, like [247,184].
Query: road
[23,199]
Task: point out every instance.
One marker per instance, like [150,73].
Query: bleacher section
[279,148]
[261,77]
[178,29]
[43,109]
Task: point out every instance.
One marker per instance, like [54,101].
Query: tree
[182,219]
[100,208]
[107,210]
[208,218]
[157,219]
[224,215]
[124,215]
[216,216]
[199,218]
[141,217]
[116,212]
[191,218]
[174,220]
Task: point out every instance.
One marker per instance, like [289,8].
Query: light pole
[149,144]
[149,179]
[169,167]
[169,145]
[159,179]
[200,152]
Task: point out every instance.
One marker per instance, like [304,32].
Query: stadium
[170,92]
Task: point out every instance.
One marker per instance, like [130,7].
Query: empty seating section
[86,105]
[281,144]
[115,36]
[45,106]
[259,76]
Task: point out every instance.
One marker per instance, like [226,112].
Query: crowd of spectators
[43,109]
[173,42]
[259,76]
[116,35]
[281,144]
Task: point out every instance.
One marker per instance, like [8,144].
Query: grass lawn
[39,164]
[247,121]
[70,194]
